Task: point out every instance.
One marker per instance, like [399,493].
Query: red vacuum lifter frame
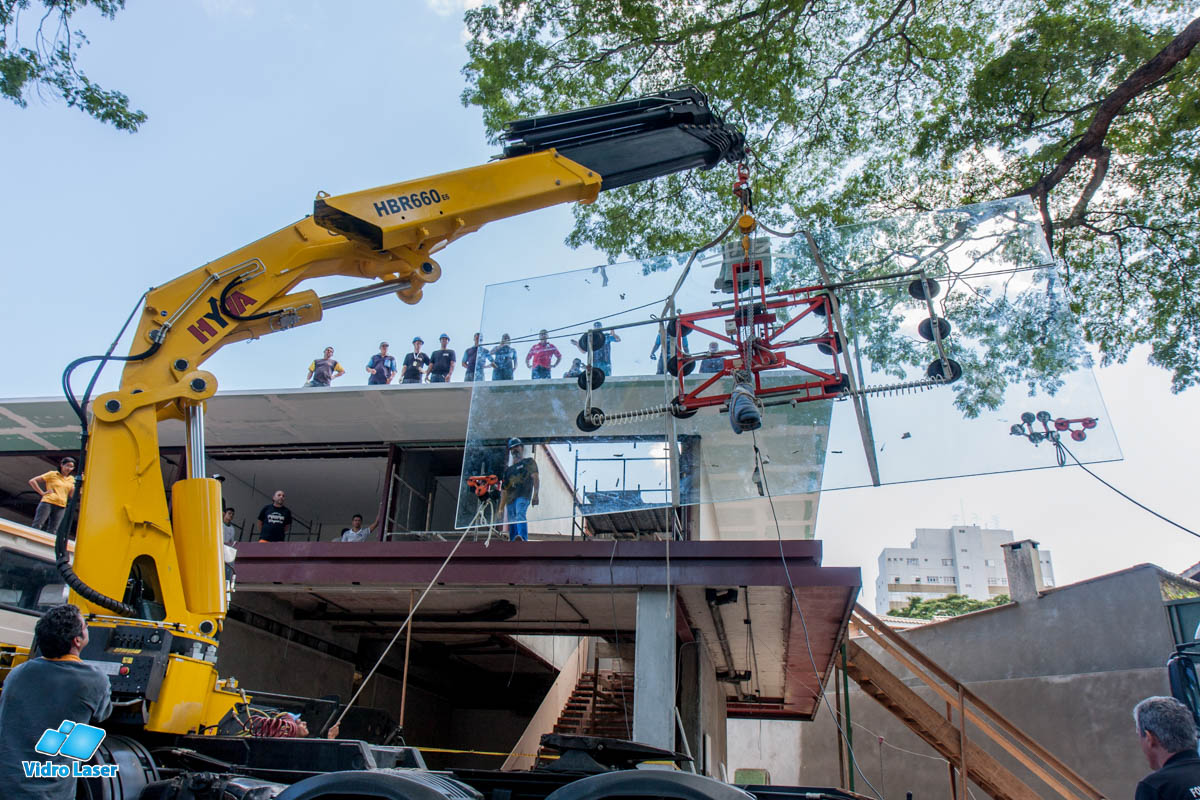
[756,345]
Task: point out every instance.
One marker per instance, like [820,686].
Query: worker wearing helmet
[519,490]
[416,363]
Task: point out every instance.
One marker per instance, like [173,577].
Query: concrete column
[1024,568]
[654,669]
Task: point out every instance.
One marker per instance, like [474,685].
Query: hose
[62,557]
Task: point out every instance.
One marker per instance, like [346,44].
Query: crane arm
[143,563]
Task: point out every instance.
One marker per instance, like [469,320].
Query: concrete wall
[702,711]
[555,498]
[1066,668]
[773,745]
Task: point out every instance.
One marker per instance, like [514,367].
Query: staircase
[950,737]
[600,705]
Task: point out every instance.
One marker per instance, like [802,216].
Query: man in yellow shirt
[58,486]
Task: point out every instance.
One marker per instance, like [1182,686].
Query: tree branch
[1142,78]
[1101,156]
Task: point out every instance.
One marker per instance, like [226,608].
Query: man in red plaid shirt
[543,356]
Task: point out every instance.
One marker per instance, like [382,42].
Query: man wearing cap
[416,363]
[322,371]
[518,490]
[714,363]
[543,356]
[474,357]
[602,356]
[441,361]
[58,486]
[381,367]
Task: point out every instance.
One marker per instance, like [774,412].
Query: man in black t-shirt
[441,362]
[416,363]
[1167,733]
[274,520]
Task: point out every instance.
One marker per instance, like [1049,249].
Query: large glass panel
[914,348]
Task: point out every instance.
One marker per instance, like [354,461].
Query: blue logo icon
[73,740]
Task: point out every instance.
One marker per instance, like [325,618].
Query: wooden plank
[925,721]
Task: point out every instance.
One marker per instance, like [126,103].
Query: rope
[1060,448]
[761,465]
[400,630]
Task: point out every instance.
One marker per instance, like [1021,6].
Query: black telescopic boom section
[633,140]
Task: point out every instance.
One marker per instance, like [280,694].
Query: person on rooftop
[575,370]
[441,362]
[668,349]
[322,371]
[474,360]
[503,360]
[381,367]
[542,357]
[416,363]
[601,357]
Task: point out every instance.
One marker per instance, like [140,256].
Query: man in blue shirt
[503,360]
[381,367]
[602,356]
[41,695]
[667,350]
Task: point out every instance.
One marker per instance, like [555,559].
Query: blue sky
[255,106]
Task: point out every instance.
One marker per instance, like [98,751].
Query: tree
[873,108]
[949,606]
[39,53]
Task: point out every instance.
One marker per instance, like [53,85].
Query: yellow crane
[148,574]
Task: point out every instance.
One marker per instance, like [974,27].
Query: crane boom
[149,574]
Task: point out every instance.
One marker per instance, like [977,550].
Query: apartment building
[965,559]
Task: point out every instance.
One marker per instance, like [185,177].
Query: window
[963,550]
[966,566]
[947,562]
[22,579]
[914,561]
[997,582]
[989,562]
[897,579]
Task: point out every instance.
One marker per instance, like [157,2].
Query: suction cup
[673,366]
[595,376]
[584,422]
[925,329]
[926,290]
[936,370]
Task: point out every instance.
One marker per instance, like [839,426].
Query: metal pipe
[364,293]
[195,440]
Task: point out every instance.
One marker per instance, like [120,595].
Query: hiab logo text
[76,741]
